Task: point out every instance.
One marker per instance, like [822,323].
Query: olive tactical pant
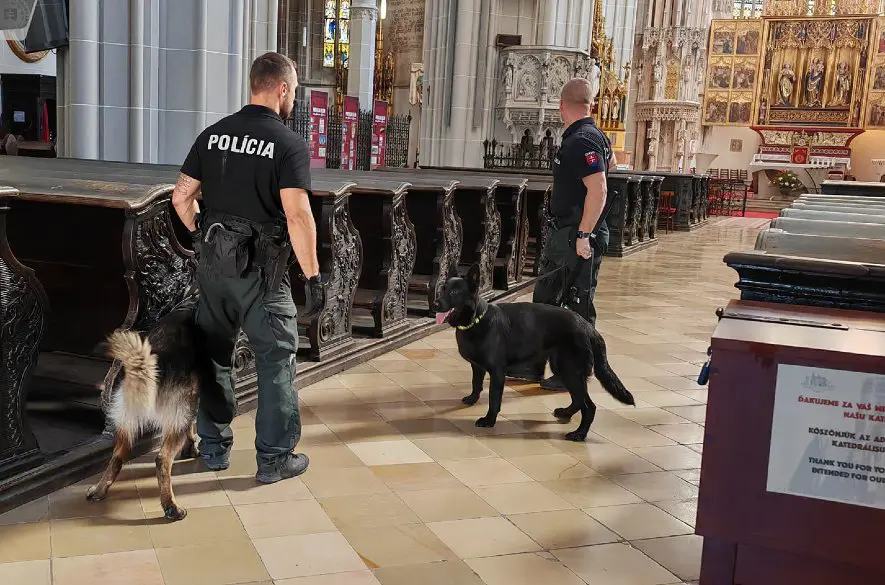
[268,318]
[558,260]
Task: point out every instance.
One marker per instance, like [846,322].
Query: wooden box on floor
[774,507]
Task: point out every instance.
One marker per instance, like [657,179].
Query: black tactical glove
[315,295]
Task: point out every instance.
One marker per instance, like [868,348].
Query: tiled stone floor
[403,488]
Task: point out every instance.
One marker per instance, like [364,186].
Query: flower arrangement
[787,181]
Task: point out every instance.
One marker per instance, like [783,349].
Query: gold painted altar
[808,69]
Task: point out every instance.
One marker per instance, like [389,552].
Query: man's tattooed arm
[184,199]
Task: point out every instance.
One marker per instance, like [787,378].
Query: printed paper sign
[828,436]
[316,140]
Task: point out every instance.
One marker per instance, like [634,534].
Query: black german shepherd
[491,337]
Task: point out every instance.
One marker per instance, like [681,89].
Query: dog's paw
[576,436]
[94,494]
[174,512]
[470,399]
[486,422]
[562,413]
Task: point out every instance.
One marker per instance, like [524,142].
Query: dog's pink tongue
[441,317]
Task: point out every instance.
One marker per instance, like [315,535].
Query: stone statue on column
[594,75]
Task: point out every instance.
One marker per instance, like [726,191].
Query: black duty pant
[268,318]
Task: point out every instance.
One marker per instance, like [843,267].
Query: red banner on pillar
[316,133]
[379,134]
[349,122]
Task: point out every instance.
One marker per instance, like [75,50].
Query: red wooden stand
[756,537]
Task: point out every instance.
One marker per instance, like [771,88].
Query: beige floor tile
[450,503]
[502,427]
[692,476]
[412,379]
[676,382]
[385,394]
[614,564]
[632,435]
[682,369]
[636,521]
[365,380]
[397,366]
[390,546]
[563,529]
[202,525]
[485,472]
[636,385]
[415,476]
[360,432]
[122,502]
[685,434]
[651,416]
[522,498]
[345,413]
[35,511]
[36,573]
[368,510]
[684,510]
[331,456]
[389,452]
[456,376]
[197,490]
[443,573]
[419,351]
[24,542]
[392,356]
[658,486]
[439,392]
[426,428]
[697,448]
[139,567]
[551,466]
[665,398]
[606,458]
[284,519]
[329,383]
[696,414]
[244,438]
[591,491]
[454,448]
[317,434]
[508,446]
[242,463]
[356,578]
[411,410]
[308,554]
[523,569]
[483,537]
[681,555]
[213,564]
[670,458]
[443,365]
[95,536]
[247,490]
[330,483]
[316,397]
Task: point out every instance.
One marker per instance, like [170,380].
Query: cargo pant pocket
[282,317]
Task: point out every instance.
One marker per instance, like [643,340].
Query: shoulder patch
[592,159]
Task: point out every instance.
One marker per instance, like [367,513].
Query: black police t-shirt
[585,151]
[243,160]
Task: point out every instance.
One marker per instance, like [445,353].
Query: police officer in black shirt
[576,205]
[254,174]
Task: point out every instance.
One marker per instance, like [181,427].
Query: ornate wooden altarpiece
[808,72]
[610,110]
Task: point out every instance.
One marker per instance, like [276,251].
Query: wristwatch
[586,236]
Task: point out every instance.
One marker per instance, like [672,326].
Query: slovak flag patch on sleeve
[592,159]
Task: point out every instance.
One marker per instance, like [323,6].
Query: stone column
[654,132]
[547,21]
[361,66]
[129,92]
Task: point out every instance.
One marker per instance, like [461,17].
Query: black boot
[553,383]
[525,372]
[288,466]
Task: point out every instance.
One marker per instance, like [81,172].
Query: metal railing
[522,155]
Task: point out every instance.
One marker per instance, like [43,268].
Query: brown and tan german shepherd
[162,373]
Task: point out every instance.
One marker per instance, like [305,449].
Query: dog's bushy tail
[139,391]
[604,373]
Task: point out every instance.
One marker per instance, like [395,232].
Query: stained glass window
[747,9]
[336,32]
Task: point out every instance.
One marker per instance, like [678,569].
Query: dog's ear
[473,278]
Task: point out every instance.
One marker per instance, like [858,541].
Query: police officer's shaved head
[269,70]
[575,100]
[577,92]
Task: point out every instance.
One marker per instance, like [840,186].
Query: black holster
[229,248]
[273,255]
